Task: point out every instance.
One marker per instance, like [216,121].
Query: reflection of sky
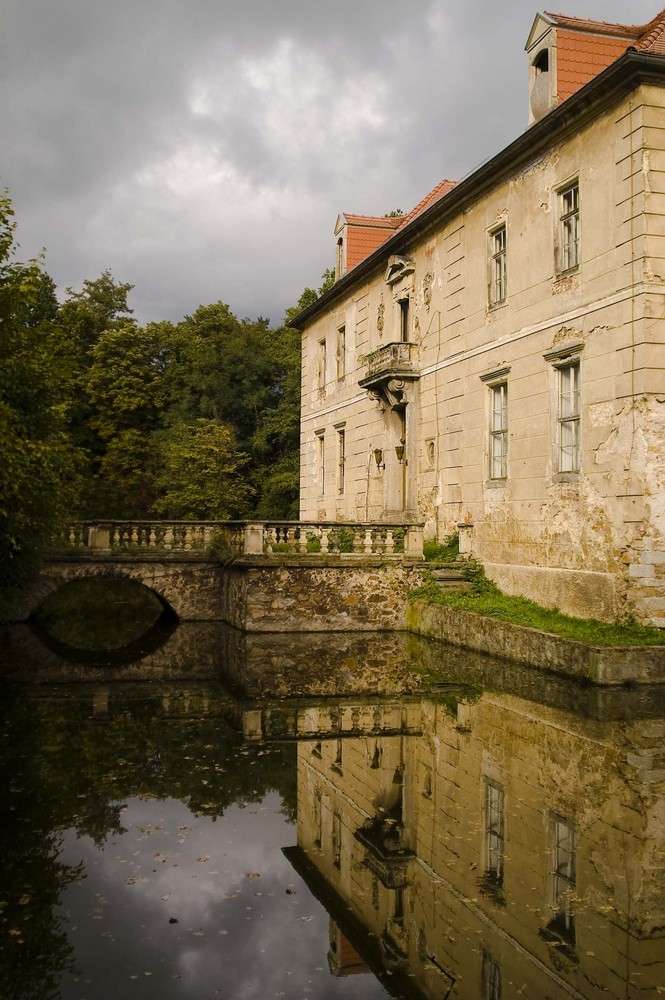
[239,934]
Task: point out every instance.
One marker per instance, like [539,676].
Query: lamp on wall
[399,451]
[378,458]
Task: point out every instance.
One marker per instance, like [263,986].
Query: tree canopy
[103,418]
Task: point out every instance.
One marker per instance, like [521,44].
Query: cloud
[203,149]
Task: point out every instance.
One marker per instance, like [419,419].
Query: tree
[201,473]
[38,465]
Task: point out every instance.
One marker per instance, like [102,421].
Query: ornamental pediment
[398,267]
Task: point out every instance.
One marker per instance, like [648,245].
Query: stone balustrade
[246,538]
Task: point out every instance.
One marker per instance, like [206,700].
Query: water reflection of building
[497,848]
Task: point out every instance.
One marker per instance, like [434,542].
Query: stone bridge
[274,576]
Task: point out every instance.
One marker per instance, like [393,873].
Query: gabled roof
[373,221]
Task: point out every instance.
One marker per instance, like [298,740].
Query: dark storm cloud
[202,150]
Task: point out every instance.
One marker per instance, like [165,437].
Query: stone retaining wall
[598,664]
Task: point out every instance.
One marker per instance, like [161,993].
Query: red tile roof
[579,59]
[633,31]
[366,233]
[653,37]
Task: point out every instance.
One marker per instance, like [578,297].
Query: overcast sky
[202,149]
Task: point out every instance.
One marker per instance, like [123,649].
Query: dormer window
[541,63]
[339,259]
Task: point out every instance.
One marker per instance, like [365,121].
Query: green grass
[486,599]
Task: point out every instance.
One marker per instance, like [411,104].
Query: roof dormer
[566,52]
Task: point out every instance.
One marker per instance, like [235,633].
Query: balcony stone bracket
[391,374]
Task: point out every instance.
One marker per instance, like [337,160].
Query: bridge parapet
[347,540]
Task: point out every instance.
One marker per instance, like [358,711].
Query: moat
[361,816]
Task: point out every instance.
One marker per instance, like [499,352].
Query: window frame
[563,884]
[322,364]
[340,356]
[321,462]
[498,264]
[341,458]
[566,420]
[497,380]
[494,832]
[569,235]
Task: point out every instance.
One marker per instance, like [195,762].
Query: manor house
[493,363]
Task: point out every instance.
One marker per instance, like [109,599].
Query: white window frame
[498,426]
[321,462]
[569,227]
[340,358]
[341,457]
[566,362]
[494,831]
[498,264]
[564,874]
[322,364]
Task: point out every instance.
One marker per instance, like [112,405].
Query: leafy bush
[445,551]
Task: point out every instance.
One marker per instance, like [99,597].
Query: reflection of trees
[66,769]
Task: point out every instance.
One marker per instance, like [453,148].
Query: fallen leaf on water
[252,874]
[204,858]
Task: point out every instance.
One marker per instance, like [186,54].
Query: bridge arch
[188,590]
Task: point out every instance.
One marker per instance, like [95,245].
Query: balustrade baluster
[323,535]
[368,540]
[187,538]
[168,536]
[291,538]
[390,541]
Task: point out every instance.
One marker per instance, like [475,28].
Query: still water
[322,817]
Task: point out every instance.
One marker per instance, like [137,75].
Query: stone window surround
[563,356]
[497,264]
[493,380]
[561,216]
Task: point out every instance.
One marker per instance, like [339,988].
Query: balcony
[390,371]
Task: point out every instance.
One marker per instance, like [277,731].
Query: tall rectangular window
[499,432]
[322,364]
[404,320]
[341,353]
[569,417]
[337,840]
[341,459]
[321,462]
[494,832]
[498,266]
[570,227]
[564,876]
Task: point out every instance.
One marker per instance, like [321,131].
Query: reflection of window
[570,227]
[499,432]
[317,819]
[338,753]
[494,832]
[322,374]
[498,270]
[337,840]
[341,353]
[398,905]
[569,417]
[491,979]
[564,877]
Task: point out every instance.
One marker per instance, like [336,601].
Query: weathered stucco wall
[590,541]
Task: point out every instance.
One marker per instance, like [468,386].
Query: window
[564,877]
[494,832]
[499,432]
[569,417]
[404,320]
[321,461]
[341,353]
[337,840]
[322,365]
[339,259]
[341,459]
[569,200]
[498,273]
[491,977]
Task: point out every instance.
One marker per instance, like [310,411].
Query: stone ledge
[597,664]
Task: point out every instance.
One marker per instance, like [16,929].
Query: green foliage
[446,551]
[200,473]
[219,548]
[486,599]
[38,464]
[396,213]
